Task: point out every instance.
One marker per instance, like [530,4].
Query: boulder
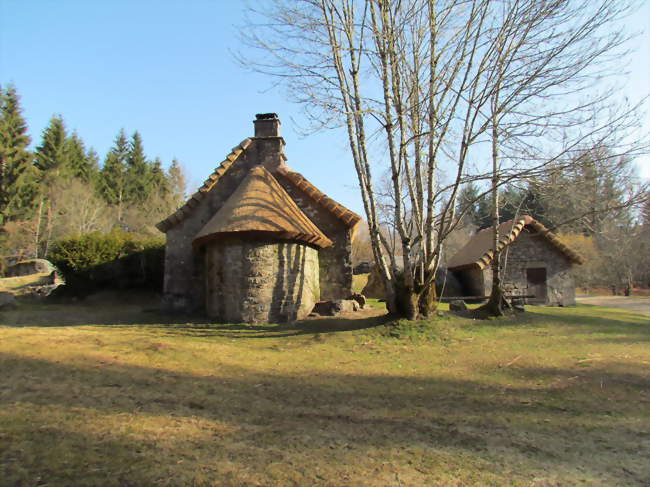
[31,266]
[7,300]
[457,305]
[333,308]
[359,298]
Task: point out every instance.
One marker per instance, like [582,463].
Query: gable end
[180,214]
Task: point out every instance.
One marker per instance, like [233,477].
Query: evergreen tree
[81,163]
[52,155]
[112,178]
[177,184]
[16,184]
[159,178]
[92,163]
[484,213]
[468,201]
[138,172]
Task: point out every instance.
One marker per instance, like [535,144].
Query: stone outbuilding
[257,242]
[535,262]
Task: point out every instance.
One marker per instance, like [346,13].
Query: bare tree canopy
[440,94]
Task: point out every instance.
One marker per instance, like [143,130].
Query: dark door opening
[536,279]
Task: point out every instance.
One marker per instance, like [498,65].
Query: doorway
[536,280]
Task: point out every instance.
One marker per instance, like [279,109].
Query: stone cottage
[535,262]
[257,242]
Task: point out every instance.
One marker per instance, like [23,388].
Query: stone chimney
[269,143]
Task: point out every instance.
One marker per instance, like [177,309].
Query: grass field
[102,394]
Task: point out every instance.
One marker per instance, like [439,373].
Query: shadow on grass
[327,420]
[40,314]
[611,324]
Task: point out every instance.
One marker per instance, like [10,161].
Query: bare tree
[420,86]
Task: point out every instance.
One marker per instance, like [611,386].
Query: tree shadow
[43,314]
[324,419]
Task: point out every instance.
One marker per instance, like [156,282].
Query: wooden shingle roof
[478,252]
[260,204]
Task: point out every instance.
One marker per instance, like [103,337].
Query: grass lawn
[111,395]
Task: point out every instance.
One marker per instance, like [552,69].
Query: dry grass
[558,397]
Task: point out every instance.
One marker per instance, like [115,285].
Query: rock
[31,266]
[40,291]
[457,305]
[359,298]
[7,300]
[333,308]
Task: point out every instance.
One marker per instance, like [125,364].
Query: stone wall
[531,250]
[528,251]
[184,284]
[265,281]
[336,260]
[184,270]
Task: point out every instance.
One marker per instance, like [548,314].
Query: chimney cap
[266,116]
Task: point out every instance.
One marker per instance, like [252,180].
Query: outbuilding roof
[260,204]
[479,251]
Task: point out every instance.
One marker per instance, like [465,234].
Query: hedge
[116,260]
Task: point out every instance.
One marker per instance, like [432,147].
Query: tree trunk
[495,304]
[427,302]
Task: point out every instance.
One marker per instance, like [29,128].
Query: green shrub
[116,260]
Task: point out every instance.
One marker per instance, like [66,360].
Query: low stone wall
[260,281]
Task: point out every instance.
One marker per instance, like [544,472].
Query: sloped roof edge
[477,253]
[181,213]
[348,217]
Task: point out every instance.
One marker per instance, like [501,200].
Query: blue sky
[164,68]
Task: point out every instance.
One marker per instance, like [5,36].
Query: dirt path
[639,305]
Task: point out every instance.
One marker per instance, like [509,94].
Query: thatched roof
[349,218]
[478,252]
[260,204]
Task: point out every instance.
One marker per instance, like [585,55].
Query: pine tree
[80,163]
[177,184]
[52,155]
[159,178]
[16,183]
[468,200]
[92,162]
[138,172]
[111,184]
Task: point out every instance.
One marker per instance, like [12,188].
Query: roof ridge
[184,210]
